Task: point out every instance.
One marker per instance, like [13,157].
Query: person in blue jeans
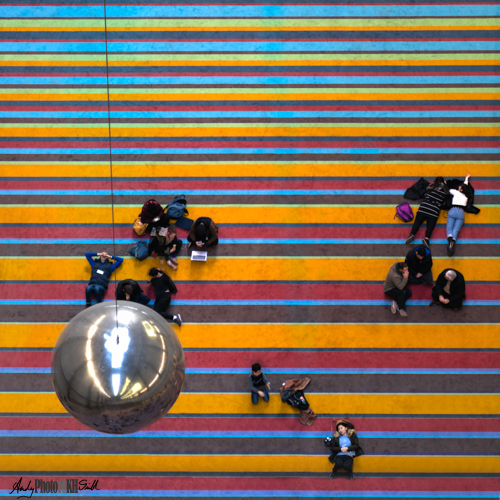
[456,215]
[259,385]
[102,269]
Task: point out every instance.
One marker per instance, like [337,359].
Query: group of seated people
[448,292]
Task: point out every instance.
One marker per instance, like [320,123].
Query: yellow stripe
[226,214]
[240,403]
[257,130]
[245,463]
[293,336]
[247,169]
[245,268]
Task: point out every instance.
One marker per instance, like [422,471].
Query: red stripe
[279,40]
[222,291]
[305,359]
[244,483]
[47,75]
[54,108]
[398,230]
[413,424]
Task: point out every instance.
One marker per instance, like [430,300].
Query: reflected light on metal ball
[118,367]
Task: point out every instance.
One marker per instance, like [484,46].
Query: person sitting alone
[259,385]
[203,233]
[419,262]
[163,287]
[102,269]
[449,291]
[131,291]
[395,287]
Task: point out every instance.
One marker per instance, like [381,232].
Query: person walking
[344,447]
[395,287]
[456,215]
[429,210]
[102,269]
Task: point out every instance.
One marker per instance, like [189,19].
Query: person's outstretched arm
[116,264]
[467,179]
[89,256]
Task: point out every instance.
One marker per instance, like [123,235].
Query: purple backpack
[404,212]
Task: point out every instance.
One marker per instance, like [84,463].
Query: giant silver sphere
[117,367]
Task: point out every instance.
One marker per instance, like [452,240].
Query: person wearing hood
[131,291]
[395,287]
[344,447]
[449,291]
[203,233]
[419,260]
[102,269]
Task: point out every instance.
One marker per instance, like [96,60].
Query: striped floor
[296,126]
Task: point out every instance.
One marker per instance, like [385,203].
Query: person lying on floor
[449,291]
[203,233]
[131,291]
[419,260]
[344,447]
[163,287]
[102,268]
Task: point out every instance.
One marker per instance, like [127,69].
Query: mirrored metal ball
[117,367]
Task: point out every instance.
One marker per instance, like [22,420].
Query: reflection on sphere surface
[117,367]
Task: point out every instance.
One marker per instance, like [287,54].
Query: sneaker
[403,313]
[177,320]
[452,248]
[427,243]
[351,477]
[332,476]
[394,307]
[410,239]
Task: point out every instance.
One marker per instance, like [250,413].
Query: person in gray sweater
[395,287]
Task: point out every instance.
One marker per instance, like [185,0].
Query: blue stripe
[251,302]
[223,192]
[271,241]
[200,151]
[241,80]
[318,371]
[250,114]
[250,434]
[276,11]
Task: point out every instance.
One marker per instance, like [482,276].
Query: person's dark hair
[402,265]
[256,367]
[172,229]
[201,231]
[438,185]
[466,190]
[421,251]
[153,272]
[128,289]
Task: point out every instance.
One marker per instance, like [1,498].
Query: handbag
[139,227]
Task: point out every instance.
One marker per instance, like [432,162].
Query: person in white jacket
[456,215]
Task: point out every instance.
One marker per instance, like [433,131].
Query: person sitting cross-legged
[449,291]
[419,260]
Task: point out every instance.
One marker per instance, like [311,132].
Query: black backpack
[297,399]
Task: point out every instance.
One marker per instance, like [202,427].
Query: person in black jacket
[102,268]
[344,447]
[419,261]
[130,290]
[203,233]
[163,287]
[449,291]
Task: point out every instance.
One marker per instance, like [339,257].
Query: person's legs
[426,278]
[266,394]
[348,463]
[431,224]
[89,291]
[161,305]
[459,222]
[339,463]
[435,295]
[450,222]
[413,280]
[419,220]
[407,294]
[99,292]
[255,398]
[144,299]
